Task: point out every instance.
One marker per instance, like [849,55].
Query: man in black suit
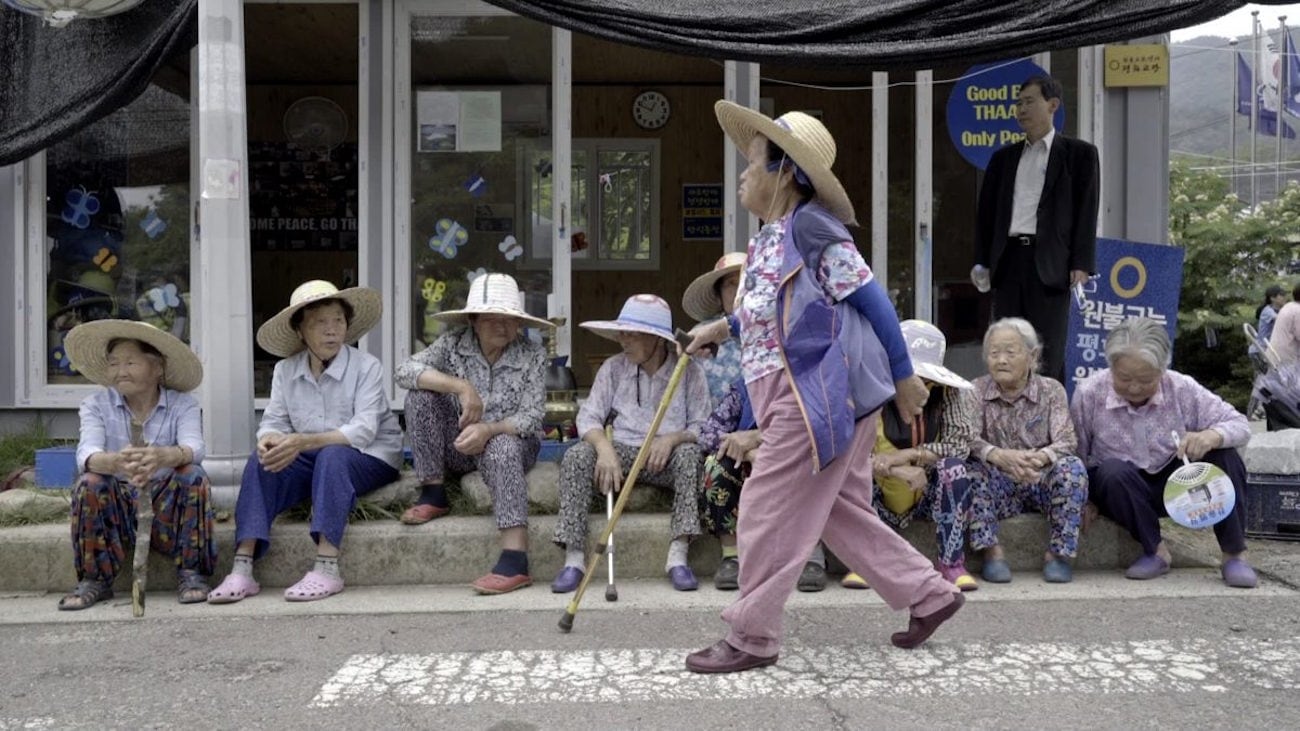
[1036,227]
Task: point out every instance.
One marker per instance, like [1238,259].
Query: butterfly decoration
[433,290]
[152,225]
[105,259]
[475,274]
[476,184]
[59,358]
[542,168]
[163,298]
[81,206]
[449,238]
[510,248]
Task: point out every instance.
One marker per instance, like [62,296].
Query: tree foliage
[1232,254]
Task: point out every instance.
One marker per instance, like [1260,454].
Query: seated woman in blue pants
[327,435]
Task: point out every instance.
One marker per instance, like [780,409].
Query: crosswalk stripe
[658,674]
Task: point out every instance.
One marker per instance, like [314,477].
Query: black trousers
[1018,292]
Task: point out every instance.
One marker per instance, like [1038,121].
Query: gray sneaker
[727,577]
[813,577]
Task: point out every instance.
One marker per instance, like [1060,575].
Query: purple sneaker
[1237,573]
[683,578]
[567,580]
[1147,567]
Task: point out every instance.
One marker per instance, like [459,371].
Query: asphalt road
[1180,652]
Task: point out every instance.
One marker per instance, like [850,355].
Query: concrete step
[455,550]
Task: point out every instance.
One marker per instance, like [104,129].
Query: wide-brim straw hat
[702,300]
[278,338]
[492,294]
[926,345]
[87,349]
[642,313]
[805,140]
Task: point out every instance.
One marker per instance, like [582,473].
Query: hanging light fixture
[59,13]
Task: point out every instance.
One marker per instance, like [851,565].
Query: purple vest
[837,365]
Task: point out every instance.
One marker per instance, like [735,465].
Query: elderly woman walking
[815,327]
[1125,416]
[327,435]
[141,438]
[1023,453]
[625,396]
[475,401]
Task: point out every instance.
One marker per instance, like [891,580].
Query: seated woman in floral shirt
[475,401]
[1023,454]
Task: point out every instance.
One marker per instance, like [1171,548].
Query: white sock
[328,565]
[677,553]
[576,557]
[818,555]
[243,566]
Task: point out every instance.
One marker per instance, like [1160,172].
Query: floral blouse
[1037,419]
[513,389]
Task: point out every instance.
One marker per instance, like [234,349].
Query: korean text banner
[1133,280]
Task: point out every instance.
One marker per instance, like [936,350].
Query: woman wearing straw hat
[327,435]
[814,327]
[920,468]
[626,393]
[730,436]
[141,435]
[1023,452]
[475,401]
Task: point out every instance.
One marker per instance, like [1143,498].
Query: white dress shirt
[1030,175]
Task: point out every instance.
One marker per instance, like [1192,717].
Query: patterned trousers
[578,489]
[947,501]
[720,498]
[1060,495]
[104,517]
[432,423]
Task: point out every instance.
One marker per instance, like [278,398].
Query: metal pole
[880,177]
[1254,104]
[1281,97]
[923,299]
[740,85]
[1232,118]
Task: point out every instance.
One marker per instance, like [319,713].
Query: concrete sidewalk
[457,550]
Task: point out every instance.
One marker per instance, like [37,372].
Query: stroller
[1277,385]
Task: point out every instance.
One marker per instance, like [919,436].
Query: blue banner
[982,109]
[701,211]
[1133,280]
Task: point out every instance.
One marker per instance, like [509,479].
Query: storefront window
[117,221]
[481,163]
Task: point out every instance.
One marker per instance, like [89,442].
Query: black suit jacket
[1067,210]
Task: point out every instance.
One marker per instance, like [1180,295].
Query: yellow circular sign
[1135,290]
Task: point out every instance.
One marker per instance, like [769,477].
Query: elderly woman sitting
[327,435]
[1125,416]
[920,468]
[141,437]
[1023,452]
[625,395]
[475,402]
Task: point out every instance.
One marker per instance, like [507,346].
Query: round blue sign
[982,109]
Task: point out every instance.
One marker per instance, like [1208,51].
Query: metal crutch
[611,591]
[570,611]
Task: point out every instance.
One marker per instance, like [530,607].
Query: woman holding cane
[821,352]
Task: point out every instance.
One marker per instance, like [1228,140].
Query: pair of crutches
[613,509]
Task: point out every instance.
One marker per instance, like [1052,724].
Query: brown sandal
[191,587]
[88,593]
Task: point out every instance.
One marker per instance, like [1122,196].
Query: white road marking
[658,674]
[8,724]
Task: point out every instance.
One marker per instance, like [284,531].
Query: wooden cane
[140,562]
[566,621]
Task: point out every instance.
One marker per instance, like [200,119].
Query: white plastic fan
[316,123]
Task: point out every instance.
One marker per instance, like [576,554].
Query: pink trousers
[785,507]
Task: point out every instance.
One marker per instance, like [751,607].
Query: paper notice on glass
[480,121]
[437,116]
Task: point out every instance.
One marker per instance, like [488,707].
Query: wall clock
[650,109]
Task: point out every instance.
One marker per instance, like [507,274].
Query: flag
[1267,117]
[1292,103]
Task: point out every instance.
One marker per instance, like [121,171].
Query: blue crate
[56,467]
[553,451]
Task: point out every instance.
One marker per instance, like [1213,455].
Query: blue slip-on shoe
[1058,571]
[1147,567]
[996,571]
[683,578]
[1238,574]
[567,580]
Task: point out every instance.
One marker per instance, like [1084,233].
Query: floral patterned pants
[947,501]
[578,489]
[720,498]
[104,517]
[1060,495]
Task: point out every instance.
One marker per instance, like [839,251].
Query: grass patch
[19,448]
[42,514]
